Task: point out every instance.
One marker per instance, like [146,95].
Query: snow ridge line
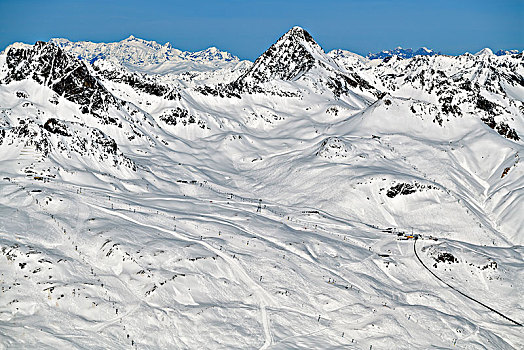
[461,293]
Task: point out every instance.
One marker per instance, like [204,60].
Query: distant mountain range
[403,53]
[140,52]
[423,51]
[506,52]
[151,55]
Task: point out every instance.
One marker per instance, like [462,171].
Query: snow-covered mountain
[402,53]
[507,52]
[149,56]
[154,198]
[423,51]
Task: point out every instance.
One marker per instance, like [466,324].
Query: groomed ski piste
[149,210]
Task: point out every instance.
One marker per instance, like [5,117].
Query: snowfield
[154,198]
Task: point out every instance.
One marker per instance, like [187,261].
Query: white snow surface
[280,217]
[149,56]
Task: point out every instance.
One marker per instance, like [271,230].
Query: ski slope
[306,200]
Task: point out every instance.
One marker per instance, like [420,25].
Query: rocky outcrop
[67,76]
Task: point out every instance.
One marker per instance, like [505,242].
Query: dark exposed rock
[290,59]
[489,121]
[405,189]
[287,59]
[445,258]
[22,94]
[502,128]
[181,116]
[69,77]
[491,265]
[139,82]
[55,126]
[220,90]
[448,107]
[332,147]
[401,188]
[486,105]
[342,83]
[31,133]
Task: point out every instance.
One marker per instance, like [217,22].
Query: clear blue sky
[246,28]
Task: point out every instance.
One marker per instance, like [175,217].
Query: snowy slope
[264,205]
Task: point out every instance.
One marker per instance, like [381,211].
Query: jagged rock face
[56,126]
[30,134]
[343,83]
[502,128]
[50,66]
[68,139]
[70,79]
[294,57]
[139,82]
[458,86]
[287,59]
[181,116]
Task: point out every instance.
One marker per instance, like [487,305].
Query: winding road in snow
[458,291]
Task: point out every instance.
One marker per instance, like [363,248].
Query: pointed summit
[52,66]
[294,54]
[299,33]
[296,57]
[484,52]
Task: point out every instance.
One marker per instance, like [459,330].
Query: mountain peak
[50,65]
[133,41]
[484,51]
[299,34]
[290,57]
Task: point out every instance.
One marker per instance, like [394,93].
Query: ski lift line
[232,195]
[264,298]
[254,200]
[96,190]
[461,293]
[258,202]
[284,247]
[60,227]
[298,221]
